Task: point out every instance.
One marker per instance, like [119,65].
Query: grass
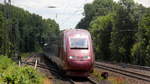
[112,79]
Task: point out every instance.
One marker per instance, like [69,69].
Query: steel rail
[124,72]
[138,67]
[89,80]
[146,68]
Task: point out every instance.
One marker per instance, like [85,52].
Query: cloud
[67,12]
[144,2]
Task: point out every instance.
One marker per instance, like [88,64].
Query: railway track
[89,80]
[82,81]
[39,65]
[46,67]
[146,68]
[49,66]
[124,72]
[138,67]
[42,62]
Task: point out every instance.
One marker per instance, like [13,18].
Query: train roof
[79,31]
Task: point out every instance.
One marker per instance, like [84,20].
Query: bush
[5,63]
[12,74]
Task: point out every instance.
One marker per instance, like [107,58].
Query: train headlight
[71,57]
[86,57]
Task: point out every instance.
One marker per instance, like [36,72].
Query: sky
[67,13]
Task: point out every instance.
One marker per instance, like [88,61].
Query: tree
[1,32]
[92,11]
[123,33]
[21,31]
[4,36]
[101,29]
[141,49]
[120,30]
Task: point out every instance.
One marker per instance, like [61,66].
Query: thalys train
[75,53]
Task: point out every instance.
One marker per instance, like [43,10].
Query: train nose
[80,65]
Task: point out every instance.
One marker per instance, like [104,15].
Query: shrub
[12,74]
[5,63]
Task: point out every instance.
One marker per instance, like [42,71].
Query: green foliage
[100,29]
[10,73]
[4,43]
[120,30]
[21,31]
[5,63]
[23,75]
[97,74]
[123,32]
[141,49]
[97,8]
[24,55]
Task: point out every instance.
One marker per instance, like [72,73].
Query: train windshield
[78,43]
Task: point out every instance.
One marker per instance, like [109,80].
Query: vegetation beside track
[11,73]
[114,80]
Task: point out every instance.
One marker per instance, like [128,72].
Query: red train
[75,54]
